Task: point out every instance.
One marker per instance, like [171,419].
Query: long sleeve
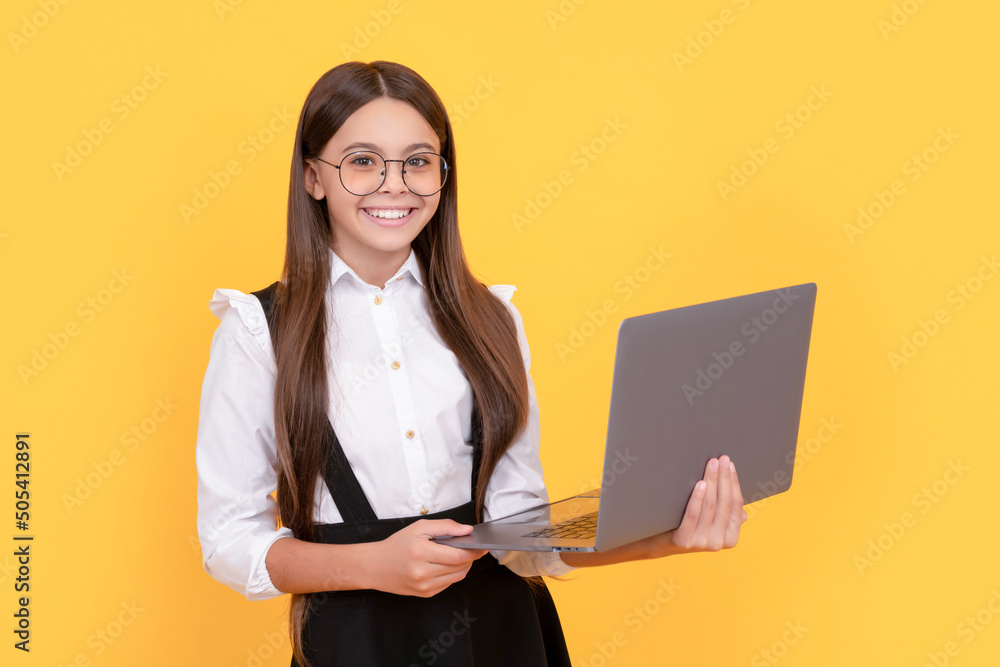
[518,482]
[389,372]
[235,453]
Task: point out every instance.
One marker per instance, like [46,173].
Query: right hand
[409,563]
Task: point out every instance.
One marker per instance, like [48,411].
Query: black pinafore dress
[491,618]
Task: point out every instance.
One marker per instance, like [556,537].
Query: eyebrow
[409,150]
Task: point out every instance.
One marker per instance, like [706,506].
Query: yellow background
[528,85]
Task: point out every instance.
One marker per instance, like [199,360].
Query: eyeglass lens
[364,172]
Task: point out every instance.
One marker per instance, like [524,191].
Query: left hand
[713,516]
[711,522]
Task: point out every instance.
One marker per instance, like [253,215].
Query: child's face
[366,232]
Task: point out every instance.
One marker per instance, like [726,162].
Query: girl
[383,392]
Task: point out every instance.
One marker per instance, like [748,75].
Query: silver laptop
[690,384]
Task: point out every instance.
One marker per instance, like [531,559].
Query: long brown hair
[475,325]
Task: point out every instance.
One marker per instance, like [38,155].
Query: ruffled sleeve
[250,312]
[236,453]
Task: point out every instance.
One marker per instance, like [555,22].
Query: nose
[393,181]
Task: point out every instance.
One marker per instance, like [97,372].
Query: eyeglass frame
[385,171]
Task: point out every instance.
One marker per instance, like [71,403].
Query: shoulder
[241,316]
[503,292]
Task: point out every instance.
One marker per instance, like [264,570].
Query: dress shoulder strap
[340,479]
[268,300]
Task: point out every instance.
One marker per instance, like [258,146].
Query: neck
[375,268]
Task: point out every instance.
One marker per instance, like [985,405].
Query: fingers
[432,585]
[683,535]
[738,495]
[408,562]
[706,517]
[711,491]
[440,528]
[714,512]
[441,554]
[723,505]
[446,565]
[700,512]
[737,515]
[692,514]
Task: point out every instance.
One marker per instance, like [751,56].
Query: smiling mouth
[388,213]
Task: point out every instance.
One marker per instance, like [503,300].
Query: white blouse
[400,405]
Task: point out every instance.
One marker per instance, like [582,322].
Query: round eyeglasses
[363,173]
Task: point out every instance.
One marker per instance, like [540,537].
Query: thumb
[442,527]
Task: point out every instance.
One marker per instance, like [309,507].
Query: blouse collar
[339,268]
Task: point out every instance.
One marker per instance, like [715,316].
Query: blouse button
[424,510]
[378,300]
[410,434]
[395,365]
[399,277]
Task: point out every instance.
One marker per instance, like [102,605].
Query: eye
[417,161]
[362,160]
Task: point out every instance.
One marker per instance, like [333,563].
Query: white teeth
[388,213]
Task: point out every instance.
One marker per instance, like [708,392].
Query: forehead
[388,125]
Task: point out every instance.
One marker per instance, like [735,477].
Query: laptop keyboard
[581,527]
